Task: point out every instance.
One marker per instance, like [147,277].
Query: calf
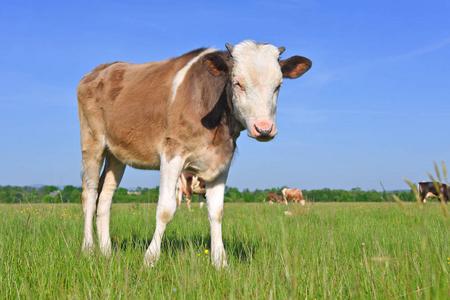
[294,195]
[189,184]
[275,197]
[428,190]
[180,114]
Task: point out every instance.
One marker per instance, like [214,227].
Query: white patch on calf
[179,77]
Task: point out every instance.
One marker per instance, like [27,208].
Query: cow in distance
[428,190]
[188,185]
[294,195]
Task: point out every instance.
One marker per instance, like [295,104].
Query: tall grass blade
[438,174]
[437,186]
[415,191]
[385,195]
[444,170]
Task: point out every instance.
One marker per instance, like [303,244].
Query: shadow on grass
[238,248]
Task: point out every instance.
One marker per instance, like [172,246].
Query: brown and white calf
[428,190]
[189,184]
[183,113]
[294,195]
[275,197]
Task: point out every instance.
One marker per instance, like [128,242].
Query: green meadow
[321,251]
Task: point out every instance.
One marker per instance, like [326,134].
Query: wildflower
[206,251]
[199,254]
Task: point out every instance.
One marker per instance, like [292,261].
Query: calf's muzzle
[263,131]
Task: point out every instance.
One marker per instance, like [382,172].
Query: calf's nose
[263,128]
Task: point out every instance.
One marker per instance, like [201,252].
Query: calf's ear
[295,66]
[215,64]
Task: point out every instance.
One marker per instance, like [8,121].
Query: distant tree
[75,196]
[14,194]
[48,199]
[67,192]
[258,196]
[120,196]
[248,197]
[46,189]
[232,195]
[3,196]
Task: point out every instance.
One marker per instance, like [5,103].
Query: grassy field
[317,252]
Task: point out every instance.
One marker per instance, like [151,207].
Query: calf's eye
[237,84]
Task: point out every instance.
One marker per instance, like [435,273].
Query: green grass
[315,253]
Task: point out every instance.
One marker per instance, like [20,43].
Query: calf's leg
[215,191]
[93,156]
[112,175]
[167,205]
[188,202]
[200,197]
[179,196]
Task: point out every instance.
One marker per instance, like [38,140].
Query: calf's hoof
[87,249]
[150,259]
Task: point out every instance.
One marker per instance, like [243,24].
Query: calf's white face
[256,77]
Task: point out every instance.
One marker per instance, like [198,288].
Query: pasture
[315,253]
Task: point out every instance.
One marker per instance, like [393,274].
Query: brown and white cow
[428,190]
[189,184]
[183,113]
[294,195]
[275,197]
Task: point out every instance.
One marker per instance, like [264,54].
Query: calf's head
[256,74]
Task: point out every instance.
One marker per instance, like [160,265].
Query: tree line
[72,194]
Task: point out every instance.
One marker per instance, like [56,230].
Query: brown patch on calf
[100,87]
[219,215]
[115,92]
[171,148]
[165,216]
[116,76]
[116,79]
[94,73]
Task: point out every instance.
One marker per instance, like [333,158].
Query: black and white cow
[428,190]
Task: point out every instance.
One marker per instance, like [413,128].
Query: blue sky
[374,107]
